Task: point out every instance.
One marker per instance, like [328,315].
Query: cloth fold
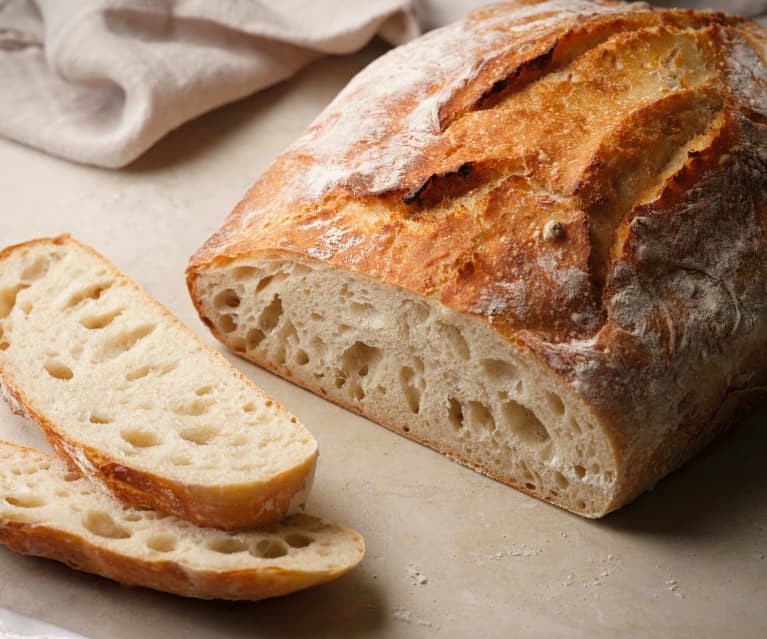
[100,81]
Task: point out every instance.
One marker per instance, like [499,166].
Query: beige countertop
[450,553]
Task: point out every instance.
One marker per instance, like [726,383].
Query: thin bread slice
[47,510]
[135,400]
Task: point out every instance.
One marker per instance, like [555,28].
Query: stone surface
[450,553]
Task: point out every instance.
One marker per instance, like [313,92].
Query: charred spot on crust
[526,72]
[435,187]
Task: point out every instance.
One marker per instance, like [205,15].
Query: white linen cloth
[100,81]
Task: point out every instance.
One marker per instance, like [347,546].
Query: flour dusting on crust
[360,149]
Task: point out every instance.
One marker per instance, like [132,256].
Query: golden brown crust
[42,541]
[235,507]
[589,180]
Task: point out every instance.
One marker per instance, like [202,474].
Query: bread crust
[41,541]
[607,220]
[249,504]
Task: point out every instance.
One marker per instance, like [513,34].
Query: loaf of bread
[49,511]
[136,401]
[533,240]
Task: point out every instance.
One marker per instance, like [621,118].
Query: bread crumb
[406,616]
[415,576]
[672,585]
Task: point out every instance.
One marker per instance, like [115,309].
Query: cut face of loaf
[49,511]
[135,400]
[533,240]
[435,375]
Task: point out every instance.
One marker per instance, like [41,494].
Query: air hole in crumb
[287,332]
[453,336]
[581,504]
[254,337]
[530,486]
[25,501]
[479,417]
[268,403]
[546,451]
[356,391]
[297,540]
[95,322]
[125,340]
[499,369]
[317,345]
[301,357]
[8,299]
[579,470]
[264,283]
[227,545]
[36,270]
[411,388]
[95,418]
[140,438]
[133,517]
[523,423]
[203,390]
[555,404]
[58,370]
[360,358]
[101,524]
[161,543]
[317,317]
[245,272]
[93,292]
[181,460]
[227,323]
[418,309]
[194,408]
[71,476]
[226,299]
[361,309]
[250,407]
[574,425]
[138,373]
[200,435]
[269,549]
[455,413]
[271,314]
[561,480]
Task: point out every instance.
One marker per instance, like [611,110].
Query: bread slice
[136,401]
[47,510]
[533,240]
